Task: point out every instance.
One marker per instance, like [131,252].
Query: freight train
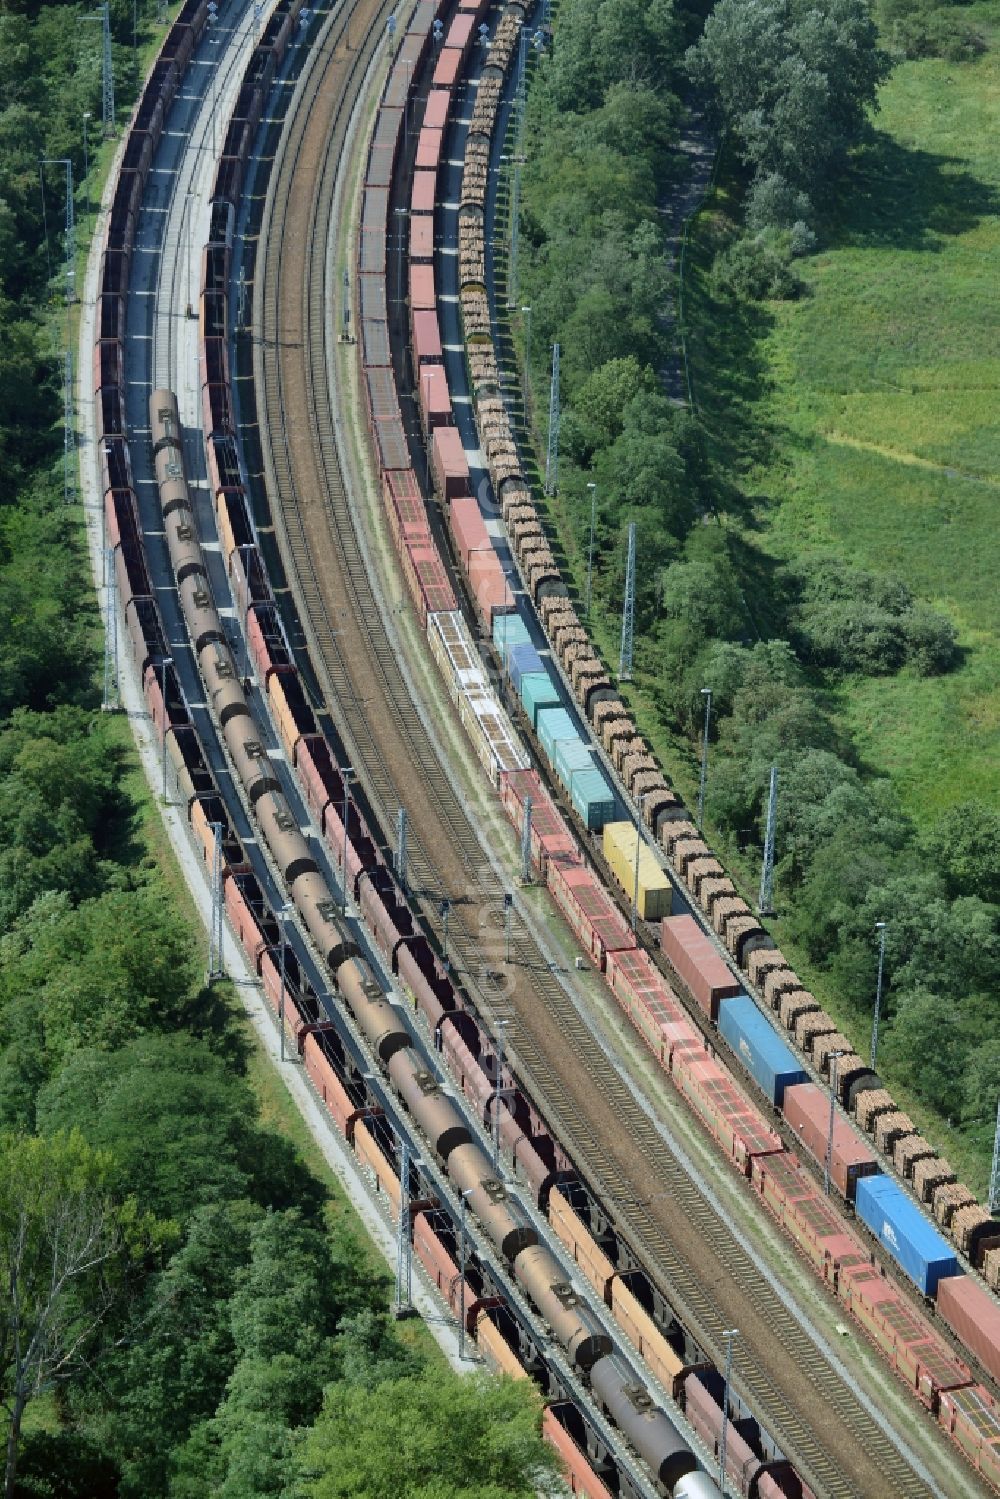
[746,1135]
[589,1348]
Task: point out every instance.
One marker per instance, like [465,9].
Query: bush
[757,268]
[860,621]
[773,203]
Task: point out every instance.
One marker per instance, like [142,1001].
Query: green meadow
[875,398]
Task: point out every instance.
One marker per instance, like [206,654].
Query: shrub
[757,268]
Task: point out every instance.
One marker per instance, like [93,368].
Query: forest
[188,1308]
[789,97]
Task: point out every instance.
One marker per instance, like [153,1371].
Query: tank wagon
[583,1338]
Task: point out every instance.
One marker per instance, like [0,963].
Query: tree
[964,843]
[441,1436]
[64,1249]
[925,1043]
[794,82]
[179,1125]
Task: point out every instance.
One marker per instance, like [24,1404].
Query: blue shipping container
[509,630]
[537,692]
[555,724]
[772,1065]
[522,661]
[593,799]
[902,1229]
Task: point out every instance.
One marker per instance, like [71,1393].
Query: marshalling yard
[609,1141]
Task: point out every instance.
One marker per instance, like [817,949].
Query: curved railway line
[711,1280]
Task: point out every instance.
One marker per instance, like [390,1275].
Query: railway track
[705,1272]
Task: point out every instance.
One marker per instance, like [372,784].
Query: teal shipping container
[572,756]
[555,724]
[509,630]
[593,799]
[538,691]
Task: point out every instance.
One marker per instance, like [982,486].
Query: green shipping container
[572,757]
[538,691]
[593,799]
[555,724]
[509,630]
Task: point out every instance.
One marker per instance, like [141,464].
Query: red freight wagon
[550,837]
[488,582]
[460,32]
[422,295]
[327,1084]
[571,1230]
[639,986]
[807,1215]
[435,398]
[448,67]
[428,149]
[422,195]
[405,508]
[428,581]
[448,460]
[381,392]
[730,1117]
[914,1350]
[390,442]
[467,527]
[591,912]
[381,160]
[426,337]
[691,952]
[971,1312]
[577,1474]
[972,1419]
[422,236]
[438,105]
[807,1112]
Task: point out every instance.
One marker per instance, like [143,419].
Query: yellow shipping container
[654,886]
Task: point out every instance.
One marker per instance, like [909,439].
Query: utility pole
[635,879]
[86,159]
[706,693]
[730,1337]
[508,908]
[497,1092]
[445,911]
[401,846]
[590,550]
[69,222]
[526,842]
[110,699]
[526,313]
[628,610]
[552,453]
[462,1256]
[283,919]
[833,1059]
[995,1172]
[404,1264]
[107,73]
[215,965]
[515,215]
[69,430]
[880,927]
[164,663]
[765,900]
[345,775]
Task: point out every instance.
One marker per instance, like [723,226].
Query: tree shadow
[904,198]
[729,380]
